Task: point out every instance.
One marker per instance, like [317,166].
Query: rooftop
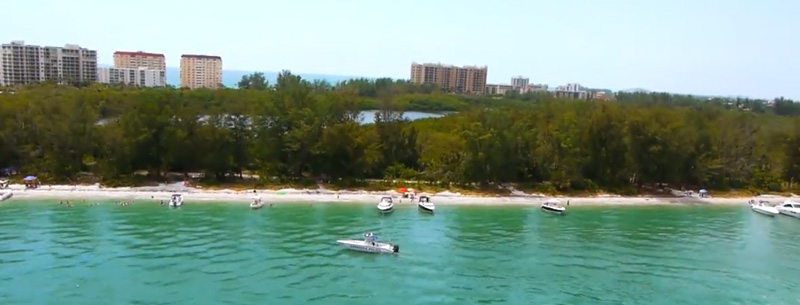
[201,56]
[139,53]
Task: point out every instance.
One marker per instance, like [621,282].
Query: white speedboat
[257,203]
[763,207]
[425,204]
[553,206]
[789,208]
[6,195]
[176,201]
[386,205]
[369,244]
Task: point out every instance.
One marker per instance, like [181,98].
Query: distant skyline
[707,47]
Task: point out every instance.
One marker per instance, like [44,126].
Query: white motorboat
[553,206]
[369,244]
[257,203]
[762,207]
[6,195]
[789,208]
[386,205]
[176,201]
[424,203]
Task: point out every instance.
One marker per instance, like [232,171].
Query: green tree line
[296,129]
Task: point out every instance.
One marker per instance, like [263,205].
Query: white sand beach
[191,195]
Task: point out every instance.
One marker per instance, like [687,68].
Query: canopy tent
[29,178]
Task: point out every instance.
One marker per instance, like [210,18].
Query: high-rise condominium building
[142,77]
[519,82]
[201,71]
[22,64]
[466,79]
[135,60]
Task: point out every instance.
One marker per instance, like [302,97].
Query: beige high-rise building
[466,79]
[201,71]
[22,64]
[136,60]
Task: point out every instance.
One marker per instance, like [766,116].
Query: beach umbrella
[29,178]
[402,190]
[703,191]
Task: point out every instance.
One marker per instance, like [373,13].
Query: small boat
[257,203]
[425,204]
[762,207]
[386,205]
[6,195]
[553,206]
[789,208]
[369,244]
[176,201]
[3,183]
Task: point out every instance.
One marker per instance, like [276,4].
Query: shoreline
[191,195]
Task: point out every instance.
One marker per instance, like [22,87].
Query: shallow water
[229,254]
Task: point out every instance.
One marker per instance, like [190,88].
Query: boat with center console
[369,244]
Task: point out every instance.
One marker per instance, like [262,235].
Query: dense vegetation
[298,130]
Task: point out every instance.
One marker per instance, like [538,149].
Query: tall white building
[519,82]
[141,77]
[22,64]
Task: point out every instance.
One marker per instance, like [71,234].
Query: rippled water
[228,254]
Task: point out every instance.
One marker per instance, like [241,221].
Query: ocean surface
[231,78]
[229,254]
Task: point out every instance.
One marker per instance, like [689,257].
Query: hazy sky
[728,47]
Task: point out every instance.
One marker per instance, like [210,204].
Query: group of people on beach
[69,204]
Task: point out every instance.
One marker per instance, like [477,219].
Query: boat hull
[553,210]
[426,207]
[386,209]
[362,246]
[767,211]
[790,213]
[256,206]
[6,195]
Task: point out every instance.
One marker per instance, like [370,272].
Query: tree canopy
[296,129]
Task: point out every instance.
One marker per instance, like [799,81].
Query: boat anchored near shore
[424,203]
[257,203]
[386,205]
[369,244]
[762,207]
[553,206]
[176,201]
[5,195]
[789,208]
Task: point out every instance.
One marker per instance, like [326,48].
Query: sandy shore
[163,192]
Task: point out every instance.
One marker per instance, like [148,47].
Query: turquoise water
[229,254]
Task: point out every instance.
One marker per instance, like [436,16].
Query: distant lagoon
[368,116]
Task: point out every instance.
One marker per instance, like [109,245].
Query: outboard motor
[396,248]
